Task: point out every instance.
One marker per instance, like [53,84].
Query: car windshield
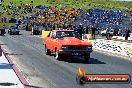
[62,34]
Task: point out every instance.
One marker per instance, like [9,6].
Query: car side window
[53,35]
[59,35]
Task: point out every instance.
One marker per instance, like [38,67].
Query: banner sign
[122,48]
[83,78]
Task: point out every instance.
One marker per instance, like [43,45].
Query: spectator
[4,26]
[75,28]
[127,34]
[93,32]
[116,31]
[87,30]
[80,30]
[108,33]
[54,26]
[27,27]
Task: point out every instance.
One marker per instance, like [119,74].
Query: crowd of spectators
[109,20]
[57,18]
[67,18]
[102,18]
[13,10]
[52,18]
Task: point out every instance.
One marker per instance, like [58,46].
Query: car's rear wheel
[87,57]
[47,51]
[57,55]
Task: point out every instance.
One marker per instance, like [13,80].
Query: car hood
[72,41]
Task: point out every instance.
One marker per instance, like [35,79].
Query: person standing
[108,33]
[75,31]
[93,32]
[4,26]
[127,34]
[32,25]
[27,26]
[80,30]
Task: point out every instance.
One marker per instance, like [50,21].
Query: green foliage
[86,4]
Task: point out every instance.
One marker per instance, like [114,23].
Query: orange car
[63,43]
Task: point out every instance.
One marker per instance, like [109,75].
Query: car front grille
[77,47]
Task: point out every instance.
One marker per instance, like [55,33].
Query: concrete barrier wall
[122,38]
[116,47]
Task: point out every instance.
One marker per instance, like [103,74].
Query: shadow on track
[95,61]
[82,61]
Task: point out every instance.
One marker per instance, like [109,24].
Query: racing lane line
[18,72]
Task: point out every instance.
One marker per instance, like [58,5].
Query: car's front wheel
[58,56]
[47,51]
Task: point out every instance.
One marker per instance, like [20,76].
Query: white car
[103,32]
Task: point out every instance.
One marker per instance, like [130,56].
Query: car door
[53,41]
[47,40]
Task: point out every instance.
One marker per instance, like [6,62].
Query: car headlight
[89,47]
[64,47]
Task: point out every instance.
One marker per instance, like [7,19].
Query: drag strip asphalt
[43,71]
